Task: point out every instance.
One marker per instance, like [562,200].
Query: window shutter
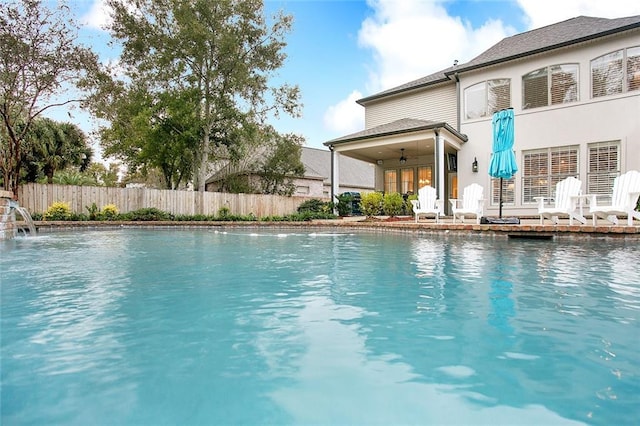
[606,74]
[604,166]
[499,95]
[535,86]
[564,84]
[633,68]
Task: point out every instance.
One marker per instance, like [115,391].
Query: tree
[160,132]
[282,165]
[56,146]
[39,65]
[221,52]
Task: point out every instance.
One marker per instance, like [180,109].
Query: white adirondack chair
[566,202]
[427,203]
[626,190]
[471,204]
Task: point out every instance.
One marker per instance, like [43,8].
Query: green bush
[146,214]
[371,203]
[109,212]
[93,211]
[224,213]
[392,204]
[315,206]
[344,204]
[58,211]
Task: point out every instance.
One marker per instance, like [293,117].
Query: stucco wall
[588,120]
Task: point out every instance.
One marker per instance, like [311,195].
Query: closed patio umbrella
[503,160]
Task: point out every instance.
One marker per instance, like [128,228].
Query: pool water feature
[206,327]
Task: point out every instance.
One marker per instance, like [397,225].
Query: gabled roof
[353,172]
[554,36]
[404,125]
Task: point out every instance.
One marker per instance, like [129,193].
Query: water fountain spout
[26,217]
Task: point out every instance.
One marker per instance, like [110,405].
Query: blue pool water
[204,327]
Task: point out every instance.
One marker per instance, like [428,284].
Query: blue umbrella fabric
[503,161]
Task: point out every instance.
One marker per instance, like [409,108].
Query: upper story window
[487,97]
[557,84]
[616,72]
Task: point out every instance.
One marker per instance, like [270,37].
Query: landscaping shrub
[93,211]
[371,203]
[315,206]
[345,204]
[58,211]
[146,214]
[392,204]
[224,213]
[109,212]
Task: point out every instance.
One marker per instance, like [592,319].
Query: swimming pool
[205,327]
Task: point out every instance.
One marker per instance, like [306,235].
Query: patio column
[439,165]
[335,175]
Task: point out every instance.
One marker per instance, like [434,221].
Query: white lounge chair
[626,190]
[566,202]
[427,203]
[471,204]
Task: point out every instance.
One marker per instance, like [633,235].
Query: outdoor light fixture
[403,159]
[474,165]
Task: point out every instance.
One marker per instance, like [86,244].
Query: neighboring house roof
[562,34]
[404,125]
[353,173]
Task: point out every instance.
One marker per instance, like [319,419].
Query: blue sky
[342,50]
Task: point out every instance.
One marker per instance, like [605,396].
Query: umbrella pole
[500,200]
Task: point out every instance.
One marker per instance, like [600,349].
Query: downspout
[458,97]
[439,163]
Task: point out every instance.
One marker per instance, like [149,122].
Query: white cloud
[413,38]
[98,16]
[544,12]
[346,116]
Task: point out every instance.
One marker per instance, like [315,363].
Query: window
[543,168]
[633,68]
[390,181]
[616,72]
[508,192]
[487,97]
[553,85]
[604,167]
[406,182]
[424,176]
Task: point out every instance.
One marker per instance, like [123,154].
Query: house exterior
[356,176]
[574,87]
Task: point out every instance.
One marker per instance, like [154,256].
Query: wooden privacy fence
[37,198]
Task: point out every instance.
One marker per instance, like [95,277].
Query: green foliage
[281,165]
[315,205]
[109,212]
[197,76]
[40,64]
[224,213]
[73,177]
[146,214]
[93,211]
[58,211]
[371,203]
[344,204]
[392,204]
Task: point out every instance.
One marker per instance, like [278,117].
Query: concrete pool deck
[528,227]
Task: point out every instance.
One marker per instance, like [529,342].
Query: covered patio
[408,154]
